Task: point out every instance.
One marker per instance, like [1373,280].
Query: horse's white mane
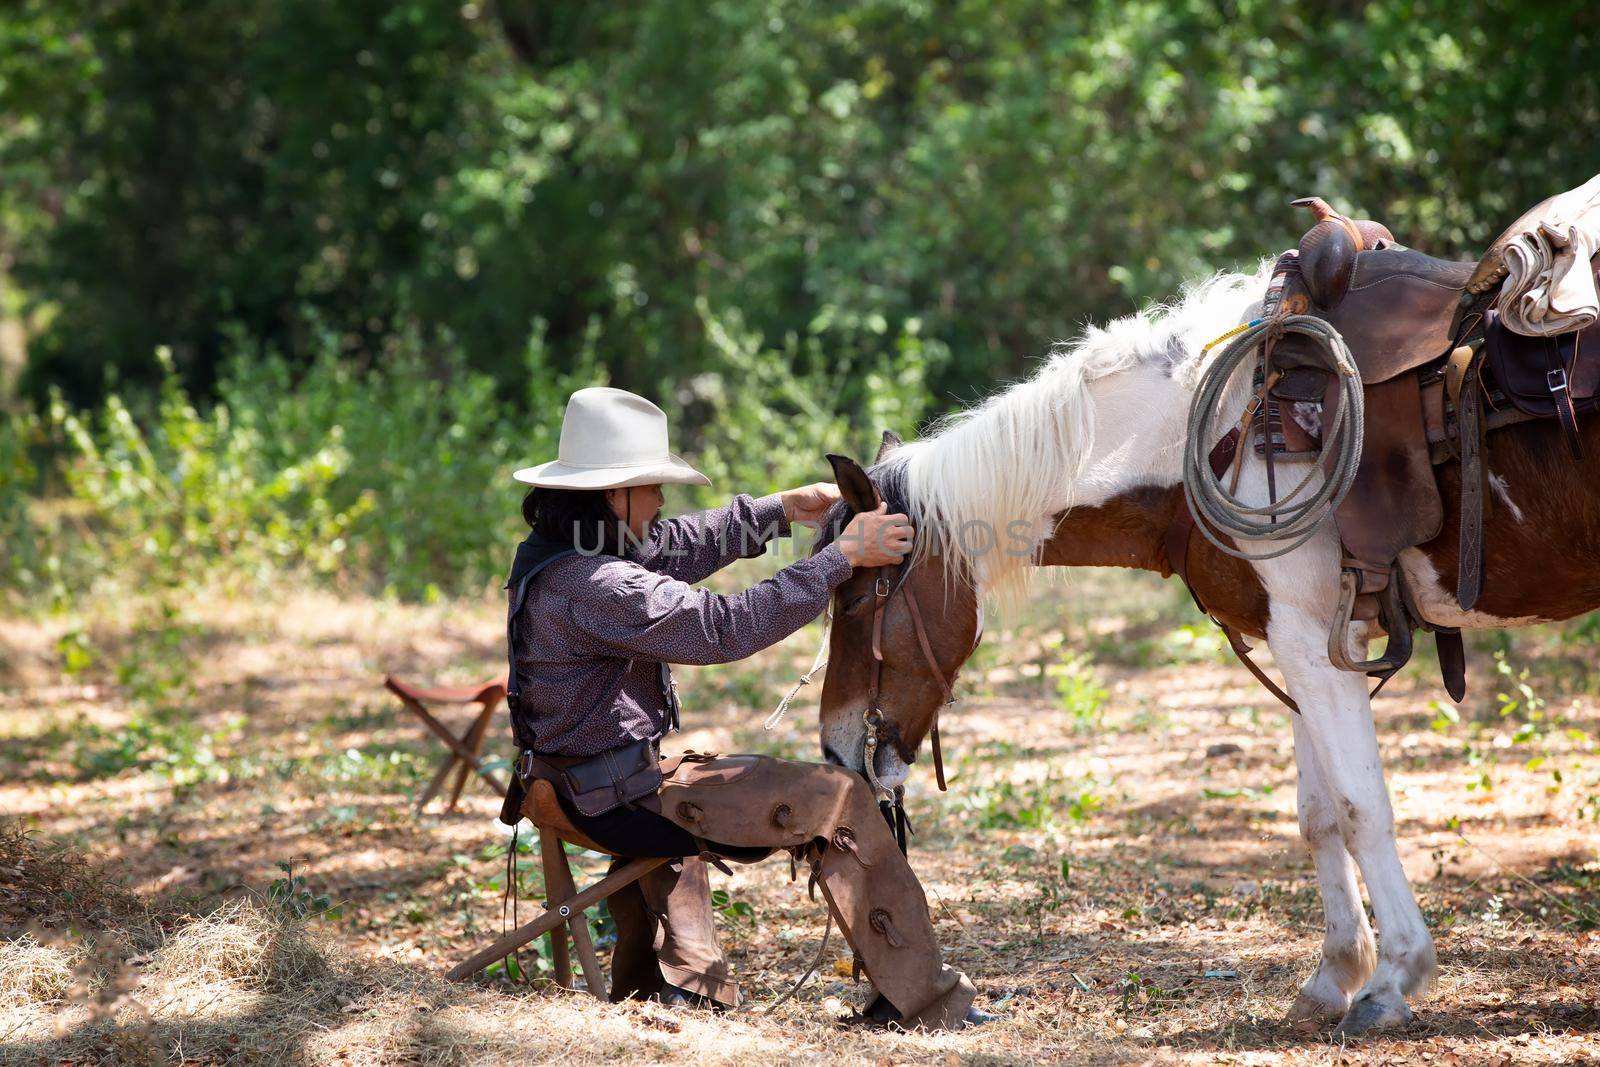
[1017,457]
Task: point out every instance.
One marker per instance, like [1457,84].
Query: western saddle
[1438,373]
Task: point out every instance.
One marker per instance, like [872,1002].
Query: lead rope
[933,667]
[511,890]
[804,978]
[872,720]
[872,717]
[817,664]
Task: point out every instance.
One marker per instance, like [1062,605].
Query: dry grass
[31,973]
[242,943]
[50,885]
[1186,919]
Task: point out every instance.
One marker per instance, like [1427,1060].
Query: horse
[1080,465]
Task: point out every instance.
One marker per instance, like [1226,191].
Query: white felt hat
[611,438]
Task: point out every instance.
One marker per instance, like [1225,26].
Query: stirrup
[1391,613]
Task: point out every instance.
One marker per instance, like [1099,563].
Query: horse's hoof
[1308,1008]
[1369,1013]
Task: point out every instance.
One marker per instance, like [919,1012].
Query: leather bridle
[872,717]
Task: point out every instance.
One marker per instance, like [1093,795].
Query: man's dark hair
[578,517]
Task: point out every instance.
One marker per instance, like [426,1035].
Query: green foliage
[514,968]
[396,477]
[373,764]
[1237,792]
[194,489]
[1142,995]
[295,898]
[178,168]
[75,651]
[739,910]
[1521,697]
[1032,805]
[19,549]
[377,242]
[168,744]
[993,173]
[1522,725]
[1078,691]
[1196,643]
[792,406]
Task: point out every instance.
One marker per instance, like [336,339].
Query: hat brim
[558,475]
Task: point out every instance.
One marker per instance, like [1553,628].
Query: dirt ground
[1116,864]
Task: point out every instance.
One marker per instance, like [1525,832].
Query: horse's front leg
[1337,721]
[1348,951]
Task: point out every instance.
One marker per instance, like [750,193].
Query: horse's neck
[1140,417]
[1124,500]
[1129,530]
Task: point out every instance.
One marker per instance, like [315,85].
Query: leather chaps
[745,808]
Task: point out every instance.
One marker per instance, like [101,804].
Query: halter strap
[933,665]
[874,712]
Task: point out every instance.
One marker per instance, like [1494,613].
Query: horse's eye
[857,603]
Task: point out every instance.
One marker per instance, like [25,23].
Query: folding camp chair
[464,750]
[564,904]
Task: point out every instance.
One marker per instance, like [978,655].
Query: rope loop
[1294,519]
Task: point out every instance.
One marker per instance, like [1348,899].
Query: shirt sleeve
[637,612]
[693,547]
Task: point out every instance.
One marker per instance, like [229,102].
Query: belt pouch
[615,777]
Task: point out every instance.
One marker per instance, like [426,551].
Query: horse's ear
[854,485]
[891,441]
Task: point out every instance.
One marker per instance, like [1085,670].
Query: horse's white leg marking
[1348,951]
[1337,720]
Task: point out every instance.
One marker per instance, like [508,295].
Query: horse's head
[877,612]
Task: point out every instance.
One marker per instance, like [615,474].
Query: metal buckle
[872,722]
[1556,380]
[881,587]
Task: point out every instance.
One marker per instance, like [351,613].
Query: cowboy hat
[610,439]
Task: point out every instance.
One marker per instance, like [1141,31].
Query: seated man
[600,604]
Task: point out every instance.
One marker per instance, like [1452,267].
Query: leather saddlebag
[1538,375]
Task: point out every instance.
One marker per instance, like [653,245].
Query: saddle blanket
[1548,288]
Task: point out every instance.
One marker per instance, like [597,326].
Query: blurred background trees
[376,240]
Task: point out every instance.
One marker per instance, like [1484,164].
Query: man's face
[637,505]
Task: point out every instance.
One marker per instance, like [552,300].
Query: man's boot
[667,939]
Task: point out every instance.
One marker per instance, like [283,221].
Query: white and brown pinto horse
[1080,466]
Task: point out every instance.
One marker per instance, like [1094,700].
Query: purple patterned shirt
[595,629]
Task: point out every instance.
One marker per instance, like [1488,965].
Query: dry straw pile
[35,973]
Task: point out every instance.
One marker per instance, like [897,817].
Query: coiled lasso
[1293,519]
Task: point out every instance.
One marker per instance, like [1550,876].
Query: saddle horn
[1328,250]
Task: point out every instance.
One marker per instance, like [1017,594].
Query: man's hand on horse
[876,538]
[808,504]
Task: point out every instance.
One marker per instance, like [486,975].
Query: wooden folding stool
[564,904]
[464,750]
